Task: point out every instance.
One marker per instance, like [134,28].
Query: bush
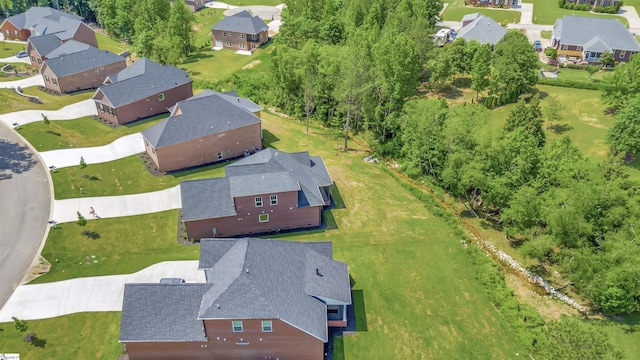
[571,84]
[561,3]
[551,52]
[569,6]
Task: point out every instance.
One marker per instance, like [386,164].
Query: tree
[552,110]
[20,325]
[309,73]
[606,59]
[515,66]
[180,28]
[592,69]
[528,117]
[623,84]
[45,119]
[624,135]
[457,58]
[481,69]
[81,220]
[83,164]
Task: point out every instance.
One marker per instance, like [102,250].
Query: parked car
[22,54]
[537,45]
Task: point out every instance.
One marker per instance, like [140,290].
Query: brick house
[84,68]
[144,89]
[584,39]
[482,29]
[240,31]
[263,299]
[489,3]
[203,129]
[595,3]
[268,191]
[39,21]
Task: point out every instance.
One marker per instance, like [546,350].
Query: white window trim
[266,218]
[270,325]
[161,97]
[622,54]
[240,36]
[259,201]
[220,155]
[273,200]
[233,326]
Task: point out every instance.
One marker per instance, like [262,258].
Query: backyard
[457,9]
[547,11]
[10,101]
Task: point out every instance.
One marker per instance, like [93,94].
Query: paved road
[121,148]
[73,111]
[116,206]
[25,205]
[100,293]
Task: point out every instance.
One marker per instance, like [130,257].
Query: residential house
[490,3]
[203,129]
[39,21]
[195,5]
[144,89]
[482,29]
[268,191]
[595,3]
[240,31]
[263,299]
[78,66]
[581,38]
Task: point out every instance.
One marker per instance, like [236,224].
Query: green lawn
[546,34]
[581,75]
[254,2]
[547,11]
[124,245]
[10,101]
[83,132]
[8,49]
[105,42]
[457,9]
[78,336]
[121,177]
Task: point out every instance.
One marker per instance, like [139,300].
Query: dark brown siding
[284,216]
[148,106]
[205,150]
[233,42]
[86,35]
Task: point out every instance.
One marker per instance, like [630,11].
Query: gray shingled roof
[44,44]
[263,279]
[242,22]
[206,199]
[162,312]
[63,27]
[34,15]
[81,61]
[70,47]
[142,79]
[269,171]
[207,113]
[483,30]
[580,30]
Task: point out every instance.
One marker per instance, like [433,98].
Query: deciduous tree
[624,135]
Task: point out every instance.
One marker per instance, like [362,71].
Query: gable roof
[267,171]
[70,47]
[242,22]
[482,29]
[582,30]
[142,79]
[63,27]
[264,279]
[162,312]
[44,44]
[35,14]
[83,60]
[207,113]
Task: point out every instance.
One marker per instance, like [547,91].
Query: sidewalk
[100,293]
[23,83]
[120,148]
[73,111]
[116,206]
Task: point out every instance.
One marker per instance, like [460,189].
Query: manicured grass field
[456,10]
[83,132]
[581,75]
[8,49]
[547,11]
[10,101]
[105,42]
[254,2]
[77,336]
[211,65]
[546,34]
[123,245]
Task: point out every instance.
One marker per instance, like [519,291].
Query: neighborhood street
[25,204]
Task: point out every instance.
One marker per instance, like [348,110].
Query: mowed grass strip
[82,132]
[547,11]
[10,101]
[91,335]
[119,246]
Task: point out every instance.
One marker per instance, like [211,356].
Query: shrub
[561,3]
[569,6]
[551,52]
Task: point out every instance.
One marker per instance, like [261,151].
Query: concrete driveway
[121,148]
[73,111]
[116,206]
[25,206]
[15,59]
[631,14]
[23,83]
[100,293]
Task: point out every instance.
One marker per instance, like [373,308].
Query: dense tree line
[82,8]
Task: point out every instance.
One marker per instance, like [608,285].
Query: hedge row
[571,84]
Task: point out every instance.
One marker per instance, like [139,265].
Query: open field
[456,10]
[10,101]
[107,43]
[77,336]
[121,246]
[83,132]
[547,11]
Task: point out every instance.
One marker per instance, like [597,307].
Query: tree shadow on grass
[336,197]
[360,310]
[462,82]
[200,55]
[37,342]
[560,128]
[14,159]
[448,91]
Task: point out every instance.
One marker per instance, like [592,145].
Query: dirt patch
[591,121]
[39,267]
[545,305]
[251,64]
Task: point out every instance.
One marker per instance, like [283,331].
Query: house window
[33,59]
[253,37]
[220,155]
[8,33]
[241,46]
[101,107]
[263,218]
[160,97]
[259,201]
[112,111]
[578,48]
[39,61]
[273,199]
[237,326]
[622,54]
[228,43]
[97,71]
[15,32]
[224,34]
[55,81]
[240,36]
[565,47]
[267,326]
[46,78]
